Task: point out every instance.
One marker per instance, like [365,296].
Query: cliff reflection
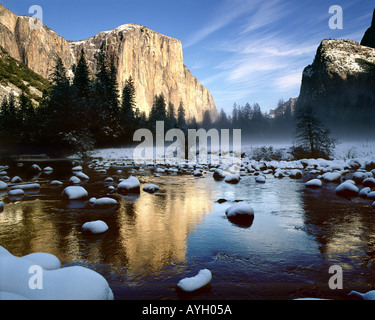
[153,230]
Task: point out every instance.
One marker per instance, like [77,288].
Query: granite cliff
[155,61]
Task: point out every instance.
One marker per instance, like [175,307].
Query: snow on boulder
[77,168]
[202,279]
[232,178]
[218,174]
[16,193]
[359,176]
[26,186]
[151,188]
[371,195]
[347,189]
[56,183]
[95,227]
[369,182]
[16,179]
[105,201]
[74,180]
[331,176]
[75,193]
[314,183]
[1,206]
[240,213]
[363,193]
[3,185]
[260,179]
[47,170]
[81,175]
[39,277]
[197,173]
[36,168]
[295,174]
[129,185]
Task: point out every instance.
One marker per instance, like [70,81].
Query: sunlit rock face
[155,61]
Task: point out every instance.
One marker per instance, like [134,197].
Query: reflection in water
[153,230]
[155,239]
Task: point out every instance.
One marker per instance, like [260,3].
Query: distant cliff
[155,61]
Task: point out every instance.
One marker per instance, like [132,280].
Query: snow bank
[75,193]
[203,278]
[95,226]
[129,185]
[19,274]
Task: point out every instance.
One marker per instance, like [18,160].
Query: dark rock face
[369,37]
[340,85]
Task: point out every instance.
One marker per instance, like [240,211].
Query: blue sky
[241,50]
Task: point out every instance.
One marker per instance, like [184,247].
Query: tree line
[79,114]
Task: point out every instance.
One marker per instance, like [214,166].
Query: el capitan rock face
[155,61]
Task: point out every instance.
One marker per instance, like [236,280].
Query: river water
[155,240]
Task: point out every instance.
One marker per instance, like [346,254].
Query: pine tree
[312,137]
[158,110]
[128,104]
[26,117]
[171,116]
[181,120]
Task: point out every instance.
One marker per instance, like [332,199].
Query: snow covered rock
[36,168]
[129,185]
[75,193]
[26,186]
[232,178]
[16,193]
[77,168]
[74,180]
[20,275]
[347,189]
[16,179]
[3,185]
[197,173]
[363,193]
[96,227]
[105,201]
[203,278]
[240,213]
[371,195]
[369,182]
[81,175]
[295,174]
[151,188]
[332,176]
[218,174]
[359,176]
[56,183]
[260,179]
[1,206]
[47,170]
[314,183]
[370,295]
